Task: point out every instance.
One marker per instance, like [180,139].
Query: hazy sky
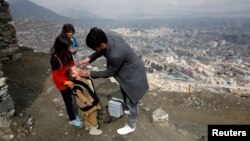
[116,8]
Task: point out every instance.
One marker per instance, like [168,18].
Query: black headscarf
[61,44]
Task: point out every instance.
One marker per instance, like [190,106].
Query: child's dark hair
[95,38]
[69,74]
[68,28]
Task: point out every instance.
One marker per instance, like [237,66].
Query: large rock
[2,82]
[11,50]
[9,33]
[3,9]
[5,17]
[6,105]
[8,49]
[159,115]
[3,44]
[5,4]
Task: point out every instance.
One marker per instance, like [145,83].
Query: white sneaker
[127,112]
[125,130]
[94,131]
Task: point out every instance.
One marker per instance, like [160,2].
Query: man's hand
[84,62]
[69,83]
[84,73]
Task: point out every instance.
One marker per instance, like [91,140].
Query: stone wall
[8,51]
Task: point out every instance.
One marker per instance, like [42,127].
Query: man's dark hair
[68,28]
[95,38]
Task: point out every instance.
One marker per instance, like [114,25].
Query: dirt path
[40,113]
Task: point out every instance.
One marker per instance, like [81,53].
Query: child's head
[72,73]
[68,29]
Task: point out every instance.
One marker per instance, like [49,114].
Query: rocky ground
[40,112]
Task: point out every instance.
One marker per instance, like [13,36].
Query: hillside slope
[40,112]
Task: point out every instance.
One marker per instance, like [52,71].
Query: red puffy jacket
[60,64]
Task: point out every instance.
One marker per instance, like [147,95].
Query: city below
[179,56]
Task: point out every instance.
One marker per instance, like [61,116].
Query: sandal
[76,123]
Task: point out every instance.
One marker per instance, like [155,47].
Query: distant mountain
[81,15]
[86,18]
[28,9]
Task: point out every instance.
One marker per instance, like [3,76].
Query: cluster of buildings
[182,55]
[186,54]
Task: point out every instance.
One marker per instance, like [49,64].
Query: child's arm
[76,43]
[81,96]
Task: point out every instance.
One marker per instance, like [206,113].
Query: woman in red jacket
[61,59]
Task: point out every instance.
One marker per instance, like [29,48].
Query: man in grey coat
[124,65]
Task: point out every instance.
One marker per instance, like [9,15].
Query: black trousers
[66,94]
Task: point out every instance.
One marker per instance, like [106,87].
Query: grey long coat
[125,66]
